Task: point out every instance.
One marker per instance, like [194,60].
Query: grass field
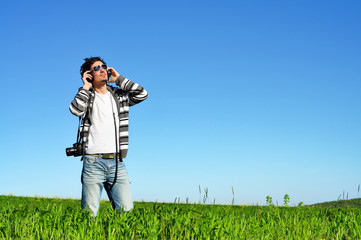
[44,218]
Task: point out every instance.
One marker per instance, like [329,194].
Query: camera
[76,150]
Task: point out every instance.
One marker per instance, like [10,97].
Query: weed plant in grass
[40,218]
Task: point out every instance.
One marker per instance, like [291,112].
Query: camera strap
[78,138]
[116,141]
[78,135]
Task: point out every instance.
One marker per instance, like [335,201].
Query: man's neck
[102,89]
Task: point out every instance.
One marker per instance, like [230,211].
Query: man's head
[98,68]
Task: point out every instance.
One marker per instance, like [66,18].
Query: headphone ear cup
[88,79]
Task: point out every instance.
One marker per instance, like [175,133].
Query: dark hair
[88,63]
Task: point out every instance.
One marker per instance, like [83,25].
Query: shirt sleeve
[135,92]
[80,103]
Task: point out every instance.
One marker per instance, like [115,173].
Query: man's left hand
[113,76]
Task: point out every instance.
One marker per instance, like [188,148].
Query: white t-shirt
[102,131]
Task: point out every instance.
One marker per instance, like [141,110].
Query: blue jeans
[98,173]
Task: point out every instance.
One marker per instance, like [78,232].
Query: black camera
[76,150]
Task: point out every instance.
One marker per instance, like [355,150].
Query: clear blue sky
[263,96]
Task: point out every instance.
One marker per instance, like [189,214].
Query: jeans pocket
[89,159]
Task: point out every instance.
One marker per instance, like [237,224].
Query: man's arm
[135,92]
[80,103]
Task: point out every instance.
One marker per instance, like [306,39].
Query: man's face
[101,75]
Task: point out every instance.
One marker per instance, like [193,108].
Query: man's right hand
[87,85]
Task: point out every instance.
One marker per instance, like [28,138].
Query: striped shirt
[125,95]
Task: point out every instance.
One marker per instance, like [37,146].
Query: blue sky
[259,95]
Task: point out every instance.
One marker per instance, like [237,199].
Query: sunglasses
[97,68]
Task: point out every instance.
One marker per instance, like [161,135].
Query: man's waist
[107,155]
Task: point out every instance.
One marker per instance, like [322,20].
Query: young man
[104,133]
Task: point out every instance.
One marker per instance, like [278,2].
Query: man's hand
[113,76]
[87,84]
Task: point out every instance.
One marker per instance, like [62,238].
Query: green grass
[352,203]
[42,218]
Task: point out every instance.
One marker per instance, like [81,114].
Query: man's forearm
[79,105]
[136,92]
